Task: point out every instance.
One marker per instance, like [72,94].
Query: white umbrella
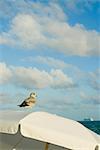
[50,128]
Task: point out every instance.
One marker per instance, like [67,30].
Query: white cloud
[45,27]
[3,40]
[31,78]
[52,11]
[6,39]
[61,80]
[50,61]
[73,40]
[34,78]
[5,73]
[55,63]
[80,6]
[27,30]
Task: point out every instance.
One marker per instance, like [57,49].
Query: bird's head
[33,95]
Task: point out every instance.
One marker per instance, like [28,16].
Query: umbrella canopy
[49,128]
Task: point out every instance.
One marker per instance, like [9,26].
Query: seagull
[30,101]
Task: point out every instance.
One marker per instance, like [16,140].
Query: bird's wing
[30,100]
[24,103]
[27,102]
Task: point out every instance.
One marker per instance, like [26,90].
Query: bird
[30,101]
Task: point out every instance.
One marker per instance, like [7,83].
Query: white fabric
[9,121]
[51,128]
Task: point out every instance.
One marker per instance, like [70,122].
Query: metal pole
[46,146]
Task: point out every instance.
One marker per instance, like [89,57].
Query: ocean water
[92,125]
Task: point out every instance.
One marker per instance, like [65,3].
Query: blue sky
[51,47]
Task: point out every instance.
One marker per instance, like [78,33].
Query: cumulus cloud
[45,27]
[51,11]
[34,78]
[31,78]
[5,73]
[27,31]
[60,80]
[74,40]
[59,64]
[90,99]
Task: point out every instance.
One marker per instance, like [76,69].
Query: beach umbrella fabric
[49,128]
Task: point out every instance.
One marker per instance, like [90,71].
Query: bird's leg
[46,146]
